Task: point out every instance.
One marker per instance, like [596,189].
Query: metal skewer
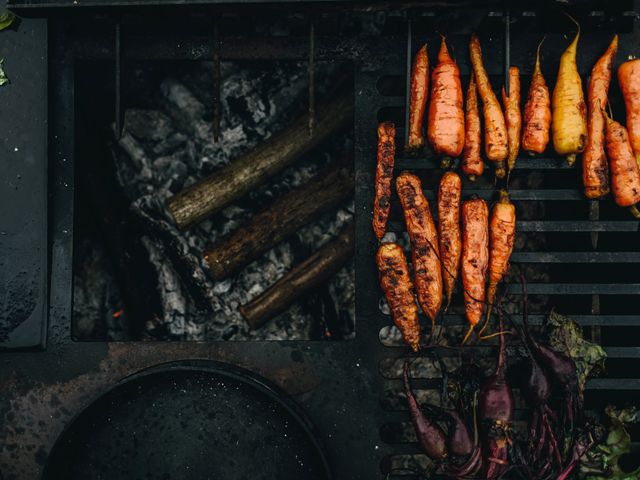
[312,79]
[118,78]
[507,50]
[216,81]
[408,85]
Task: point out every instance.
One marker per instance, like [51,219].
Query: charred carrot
[424,244]
[495,130]
[475,258]
[629,80]
[472,164]
[398,290]
[625,172]
[569,111]
[384,177]
[418,99]
[512,116]
[445,129]
[449,230]
[537,112]
[502,234]
[595,170]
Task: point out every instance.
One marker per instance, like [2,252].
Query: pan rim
[233,372]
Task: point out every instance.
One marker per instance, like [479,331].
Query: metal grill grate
[586,252]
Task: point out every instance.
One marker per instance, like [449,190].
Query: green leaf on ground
[6,19]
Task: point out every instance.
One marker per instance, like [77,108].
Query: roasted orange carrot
[629,80]
[537,112]
[398,290]
[472,164]
[502,234]
[595,170]
[445,129]
[569,111]
[418,99]
[475,259]
[424,244]
[512,116]
[384,177]
[625,172]
[449,230]
[495,130]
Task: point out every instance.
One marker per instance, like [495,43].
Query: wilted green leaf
[566,336]
[601,462]
[6,19]
[3,76]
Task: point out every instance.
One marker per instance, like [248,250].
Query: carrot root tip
[496,334]
[634,211]
[446,307]
[486,321]
[468,334]
[472,178]
[571,159]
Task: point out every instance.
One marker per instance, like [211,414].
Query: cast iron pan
[199,420]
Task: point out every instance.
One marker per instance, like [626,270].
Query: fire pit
[137,275]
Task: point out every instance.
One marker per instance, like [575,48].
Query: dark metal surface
[157,3]
[336,383]
[23,187]
[199,420]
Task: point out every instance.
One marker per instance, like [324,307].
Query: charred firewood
[214,192]
[282,218]
[315,270]
[149,212]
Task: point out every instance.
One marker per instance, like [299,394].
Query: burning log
[214,192]
[282,218]
[315,270]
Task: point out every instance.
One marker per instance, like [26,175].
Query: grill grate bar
[612,352]
[613,384]
[576,257]
[429,163]
[622,352]
[529,194]
[578,226]
[557,226]
[576,288]
[592,384]
[584,320]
